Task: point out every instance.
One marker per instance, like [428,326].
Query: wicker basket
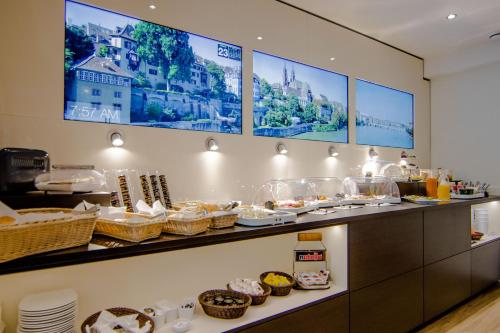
[223,221]
[119,312]
[187,227]
[224,312]
[21,240]
[279,291]
[130,231]
[258,300]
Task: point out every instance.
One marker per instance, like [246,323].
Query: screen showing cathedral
[293,100]
[384,116]
[122,70]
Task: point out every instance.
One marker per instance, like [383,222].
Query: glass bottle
[443,190]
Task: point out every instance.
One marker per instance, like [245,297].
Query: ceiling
[416,26]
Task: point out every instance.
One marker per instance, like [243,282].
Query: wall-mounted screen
[293,100]
[122,70]
[384,116]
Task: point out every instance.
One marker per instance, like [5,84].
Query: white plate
[280,217]
[298,210]
[48,328]
[467,196]
[370,201]
[67,328]
[327,203]
[48,322]
[48,300]
[47,312]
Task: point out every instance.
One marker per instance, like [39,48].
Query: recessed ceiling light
[152,7]
[452,16]
[332,58]
[260,38]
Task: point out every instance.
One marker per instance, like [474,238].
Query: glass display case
[394,171]
[370,190]
[329,190]
[290,195]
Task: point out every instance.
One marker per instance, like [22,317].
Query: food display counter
[389,258]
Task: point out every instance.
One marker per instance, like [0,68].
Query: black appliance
[19,168]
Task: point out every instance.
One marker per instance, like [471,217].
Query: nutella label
[316,255]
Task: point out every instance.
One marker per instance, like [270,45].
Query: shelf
[105,248]
[274,306]
[486,239]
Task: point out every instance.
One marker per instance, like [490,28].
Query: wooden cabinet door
[384,247]
[394,305]
[330,316]
[446,283]
[485,263]
[446,232]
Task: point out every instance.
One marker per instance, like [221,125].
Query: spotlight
[452,16]
[116,138]
[332,151]
[281,148]
[152,7]
[211,144]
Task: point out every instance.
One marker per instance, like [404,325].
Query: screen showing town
[384,116]
[293,100]
[123,70]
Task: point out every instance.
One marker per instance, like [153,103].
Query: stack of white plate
[48,312]
[481,220]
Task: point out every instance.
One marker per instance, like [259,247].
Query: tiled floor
[480,315]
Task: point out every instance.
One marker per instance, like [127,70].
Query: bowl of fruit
[280,283]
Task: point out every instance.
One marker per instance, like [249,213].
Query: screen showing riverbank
[384,116]
[294,100]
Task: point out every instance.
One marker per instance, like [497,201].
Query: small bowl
[258,299]
[279,290]
[169,309]
[466,191]
[181,326]
[158,316]
[220,311]
[186,308]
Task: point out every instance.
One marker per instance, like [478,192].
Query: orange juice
[443,192]
[431,187]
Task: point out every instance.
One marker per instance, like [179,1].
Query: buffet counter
[409,262]
[105,248]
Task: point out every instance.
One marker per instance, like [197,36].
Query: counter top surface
[105,248]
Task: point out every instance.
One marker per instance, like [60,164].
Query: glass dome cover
[366,190]
[329,190]
[295,195]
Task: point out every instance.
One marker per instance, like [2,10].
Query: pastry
[6,220]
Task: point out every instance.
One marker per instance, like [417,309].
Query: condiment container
[186,309]
[309,253]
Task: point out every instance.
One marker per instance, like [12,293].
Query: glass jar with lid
[310,267]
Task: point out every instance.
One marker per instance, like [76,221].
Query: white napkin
[85,207]
[7,211]
[113,212]
[106,321]
[156,210]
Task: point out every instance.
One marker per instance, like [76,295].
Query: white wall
[465,117]
[31,94]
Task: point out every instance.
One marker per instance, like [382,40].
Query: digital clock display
[229,52]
